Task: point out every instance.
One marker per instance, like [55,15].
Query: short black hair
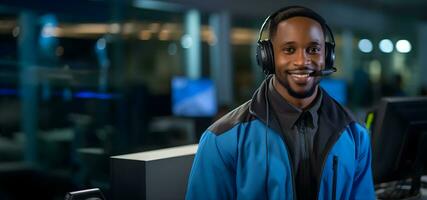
[294,11]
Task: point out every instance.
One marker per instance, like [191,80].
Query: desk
[152,175]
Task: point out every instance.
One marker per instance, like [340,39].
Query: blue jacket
[240,157]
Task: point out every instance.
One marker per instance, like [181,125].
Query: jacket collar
[260,108]
[336,116]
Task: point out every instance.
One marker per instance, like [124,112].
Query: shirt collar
[289,112]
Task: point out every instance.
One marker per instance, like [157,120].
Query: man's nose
[301,58]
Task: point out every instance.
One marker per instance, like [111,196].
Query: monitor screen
[399,138]
[193,97]
[336,88]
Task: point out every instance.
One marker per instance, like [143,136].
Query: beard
[299,95]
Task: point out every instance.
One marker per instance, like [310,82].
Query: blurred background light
[386,46]
[365,46]
[186,41]
[403,46]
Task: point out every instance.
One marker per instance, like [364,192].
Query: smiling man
[291,140]
[298,45]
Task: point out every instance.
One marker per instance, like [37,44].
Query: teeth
[301,71]
[300,75]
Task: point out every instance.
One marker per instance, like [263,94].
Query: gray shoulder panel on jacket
[239,115]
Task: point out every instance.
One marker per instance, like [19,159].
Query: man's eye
[313,50]
[288,50]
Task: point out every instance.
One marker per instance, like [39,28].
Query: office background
[84,80]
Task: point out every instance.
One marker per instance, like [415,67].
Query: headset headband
[318,18]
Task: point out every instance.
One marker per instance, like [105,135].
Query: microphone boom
[324,72]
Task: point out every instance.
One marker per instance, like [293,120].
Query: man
[291,140]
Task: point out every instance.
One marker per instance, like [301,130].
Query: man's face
[299,48]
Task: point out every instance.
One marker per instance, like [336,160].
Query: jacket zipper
[334,183]
[329,148]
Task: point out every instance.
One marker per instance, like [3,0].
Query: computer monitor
[336,88]
[399,138]
[193,97]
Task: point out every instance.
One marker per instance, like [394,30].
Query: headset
[264,50]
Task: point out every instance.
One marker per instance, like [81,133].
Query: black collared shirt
[299,128]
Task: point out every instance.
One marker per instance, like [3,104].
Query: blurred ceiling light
[403,46]
[174,30]
[145,35]
[67,30]
[186,41]
[114,28]
[49,24]
[166,31]
[365,46]
[90,28]
[7,25]
[164,35]
[208,35]
[49,31]
[386,46]
[128,28]
[244,36]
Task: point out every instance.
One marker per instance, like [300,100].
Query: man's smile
[301,76]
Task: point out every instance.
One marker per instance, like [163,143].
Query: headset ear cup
[265,57]
[260,54]
[329,55]
[270,56]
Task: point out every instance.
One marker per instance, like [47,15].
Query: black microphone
[324,72]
